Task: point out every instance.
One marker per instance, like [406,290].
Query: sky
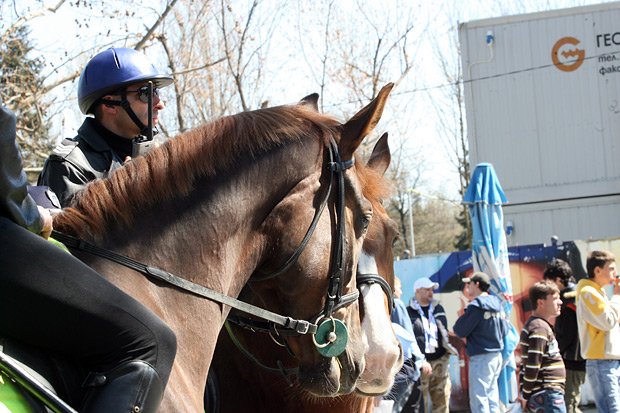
[63,33]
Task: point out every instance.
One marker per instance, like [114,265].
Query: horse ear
[311,101]
[362,123]
[380,157]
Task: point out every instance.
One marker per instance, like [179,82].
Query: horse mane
[172,169]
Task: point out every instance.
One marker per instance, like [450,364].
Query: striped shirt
[542,367]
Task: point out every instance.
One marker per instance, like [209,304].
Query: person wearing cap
[51,300]
[407,379]
[429,326]
[115,87]
[483,325]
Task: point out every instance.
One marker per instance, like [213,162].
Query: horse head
[313,288]
[375,279]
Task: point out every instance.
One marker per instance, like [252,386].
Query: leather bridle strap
[299,326]
[377,279]
[335,298]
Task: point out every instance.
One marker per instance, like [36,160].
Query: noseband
[377,279]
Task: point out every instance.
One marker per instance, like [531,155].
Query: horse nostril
[376,383]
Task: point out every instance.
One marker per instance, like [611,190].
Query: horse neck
[213,235]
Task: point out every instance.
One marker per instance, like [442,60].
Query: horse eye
[397,237]
[366,220]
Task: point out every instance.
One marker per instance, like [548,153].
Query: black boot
[132,387]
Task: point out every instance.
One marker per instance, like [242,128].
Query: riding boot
[131,387]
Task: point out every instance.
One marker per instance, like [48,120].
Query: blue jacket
[410,346]
[483,324]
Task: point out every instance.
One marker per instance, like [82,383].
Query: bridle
[370,279]
[329,334]
[275,334]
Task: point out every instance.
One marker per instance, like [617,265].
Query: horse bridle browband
[333,332]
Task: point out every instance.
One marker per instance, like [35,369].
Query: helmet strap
[145,130]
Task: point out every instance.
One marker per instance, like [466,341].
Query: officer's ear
[106,106]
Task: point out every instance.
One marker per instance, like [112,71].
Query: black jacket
[75,162]
[442,339]
[15,203]
[566,331]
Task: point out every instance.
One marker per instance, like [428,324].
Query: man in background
[542,373]
[407,380]
[429,322]
[566,333]
[598,318]
[483,325]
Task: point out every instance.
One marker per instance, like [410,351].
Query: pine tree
[21,90]
[463,240]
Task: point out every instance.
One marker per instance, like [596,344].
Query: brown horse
[228,200]
[255,375]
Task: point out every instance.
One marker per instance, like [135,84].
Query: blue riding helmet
[113,69]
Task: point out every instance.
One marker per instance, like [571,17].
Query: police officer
[120,88]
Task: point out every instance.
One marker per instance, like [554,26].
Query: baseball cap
[424,283]
[478,277]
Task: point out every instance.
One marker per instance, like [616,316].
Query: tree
[21,90]
[449,104]
[435,225]
[227,56]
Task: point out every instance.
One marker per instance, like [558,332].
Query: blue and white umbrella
[485,197]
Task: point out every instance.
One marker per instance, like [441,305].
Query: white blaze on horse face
[384,356]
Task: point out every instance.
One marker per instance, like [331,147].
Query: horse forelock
[172,169]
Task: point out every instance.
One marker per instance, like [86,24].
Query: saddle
[29,375]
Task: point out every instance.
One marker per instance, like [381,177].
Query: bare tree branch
[158,22]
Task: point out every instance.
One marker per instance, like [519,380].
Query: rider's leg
[57,302]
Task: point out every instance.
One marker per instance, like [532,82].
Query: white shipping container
[542,98]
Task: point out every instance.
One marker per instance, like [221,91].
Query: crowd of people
[573,333]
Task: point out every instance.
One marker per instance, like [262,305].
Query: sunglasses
[143,93]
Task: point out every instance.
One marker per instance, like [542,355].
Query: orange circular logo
[567,58]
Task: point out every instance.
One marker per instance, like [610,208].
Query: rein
[299,326]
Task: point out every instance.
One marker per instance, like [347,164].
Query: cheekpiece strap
[342,165]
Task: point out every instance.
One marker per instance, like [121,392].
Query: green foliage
[463,240]
[21,90]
